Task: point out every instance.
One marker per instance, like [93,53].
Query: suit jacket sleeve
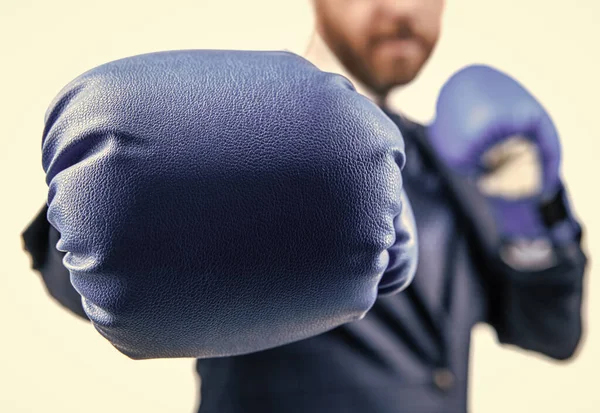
[539,310]
[39,240]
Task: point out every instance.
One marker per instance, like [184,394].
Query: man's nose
[398,16]
[400,6]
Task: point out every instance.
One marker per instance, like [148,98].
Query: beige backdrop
[51,361]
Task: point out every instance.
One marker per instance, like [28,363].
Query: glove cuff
[537,217]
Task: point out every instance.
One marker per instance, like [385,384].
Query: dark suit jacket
[411,352]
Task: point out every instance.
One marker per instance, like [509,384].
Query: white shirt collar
[319,54]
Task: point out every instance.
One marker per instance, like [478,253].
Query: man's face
[384,43]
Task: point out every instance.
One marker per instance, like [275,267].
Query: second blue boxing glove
[490,129]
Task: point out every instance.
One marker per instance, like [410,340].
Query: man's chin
[398,79]
[398,73]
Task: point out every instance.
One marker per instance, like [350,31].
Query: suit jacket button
[444,379]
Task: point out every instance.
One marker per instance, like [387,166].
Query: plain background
[51,361]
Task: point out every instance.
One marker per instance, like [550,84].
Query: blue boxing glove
[214,203]
[491,130]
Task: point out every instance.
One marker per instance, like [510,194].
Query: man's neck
[319,54]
